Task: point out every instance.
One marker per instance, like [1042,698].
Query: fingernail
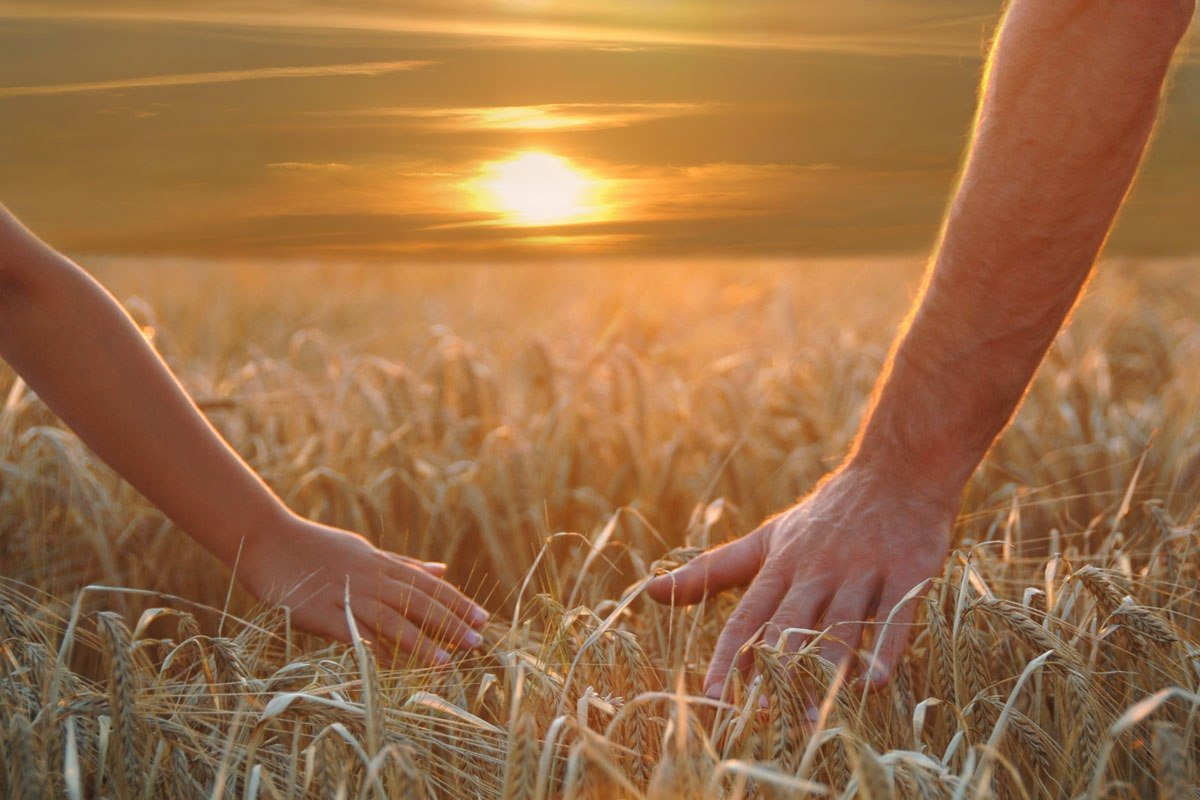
[473,639]
[435,566]
[877,674]
[763,703]
[441,658]
[813,713]
[715,691]
[479,616]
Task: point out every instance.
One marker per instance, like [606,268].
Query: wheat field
[557,433]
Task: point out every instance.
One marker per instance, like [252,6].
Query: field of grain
[555,433]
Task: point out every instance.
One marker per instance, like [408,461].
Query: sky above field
[512,129]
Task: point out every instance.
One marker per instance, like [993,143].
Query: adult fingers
[891,637]
[732,564]
[439,590]
[844,619]
[801,607]
[754,610]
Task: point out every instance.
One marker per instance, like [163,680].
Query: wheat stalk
[122,688]
[473,448]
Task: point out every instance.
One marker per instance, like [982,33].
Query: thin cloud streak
[544,117]
[307,166]
[906,43]
[224,76]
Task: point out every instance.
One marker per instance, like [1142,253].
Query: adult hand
[398,603]
[847,554]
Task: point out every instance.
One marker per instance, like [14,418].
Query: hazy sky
[333,129]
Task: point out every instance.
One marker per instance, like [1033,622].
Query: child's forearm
[87,360]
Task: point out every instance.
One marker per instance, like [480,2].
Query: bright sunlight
[536,188]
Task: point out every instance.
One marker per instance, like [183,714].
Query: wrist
[906,479]
[244,539]
[916,439]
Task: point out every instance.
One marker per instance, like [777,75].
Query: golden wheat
[1054,657]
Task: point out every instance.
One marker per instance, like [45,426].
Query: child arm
[77,348]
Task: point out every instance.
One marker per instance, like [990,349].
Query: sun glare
[536,188]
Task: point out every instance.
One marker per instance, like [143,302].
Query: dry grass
[1056,657]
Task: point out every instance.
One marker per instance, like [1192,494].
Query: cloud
[545,117]
[883,28]
[776,29]
[307,166]
[721,190]
[223,76]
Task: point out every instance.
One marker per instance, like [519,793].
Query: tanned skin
[76,347]
[1068,105]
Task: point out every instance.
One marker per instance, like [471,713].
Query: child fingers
[389,627]
[444,593]
[435,568]
[431,617]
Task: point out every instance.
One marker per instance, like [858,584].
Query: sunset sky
[471,130]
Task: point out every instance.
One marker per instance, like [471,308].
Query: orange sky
[305,129]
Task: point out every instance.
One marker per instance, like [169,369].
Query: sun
[536,188]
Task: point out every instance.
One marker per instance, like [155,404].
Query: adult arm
[86,359]
[1069,101]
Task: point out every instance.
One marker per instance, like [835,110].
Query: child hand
[102,377]
[399,603]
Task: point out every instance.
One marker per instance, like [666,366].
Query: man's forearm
[1068,107]
[1070,102]
[86,359]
